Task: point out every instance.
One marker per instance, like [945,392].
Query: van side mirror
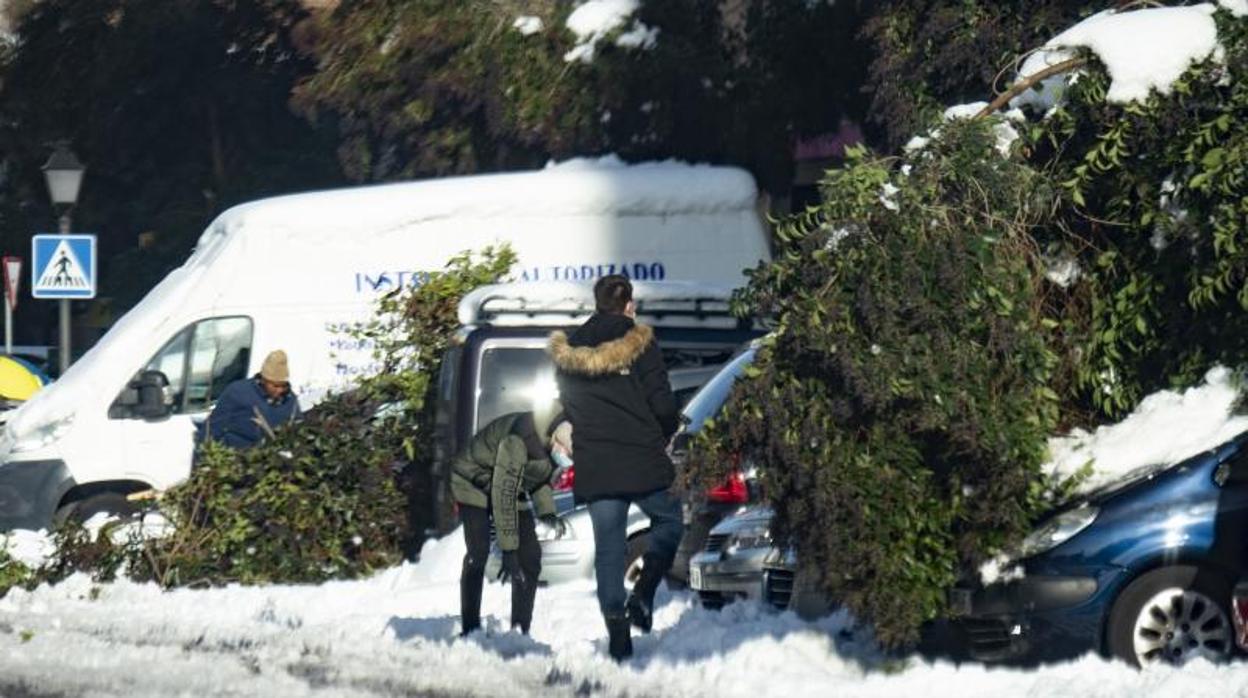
[154,399]
[146,396]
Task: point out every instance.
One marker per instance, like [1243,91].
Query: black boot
[640,603]
[619,637]
[470,583]
[523,594]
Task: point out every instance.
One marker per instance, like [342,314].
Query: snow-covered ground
[396,635]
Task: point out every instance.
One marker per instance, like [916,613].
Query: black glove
[511,571]
[556,524]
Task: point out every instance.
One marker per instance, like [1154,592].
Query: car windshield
[708,400]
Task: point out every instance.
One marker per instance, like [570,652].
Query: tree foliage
[928,54]
[179,108]
[1154,214]
[899,411]
[925,345]
[419,87]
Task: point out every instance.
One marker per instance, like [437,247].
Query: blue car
[1142,570]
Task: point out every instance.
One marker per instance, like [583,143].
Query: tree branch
[1027,83]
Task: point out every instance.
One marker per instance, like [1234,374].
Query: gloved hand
[482,480]
[556,524]
[511,571]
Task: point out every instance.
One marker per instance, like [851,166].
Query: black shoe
[640,604]
[467,628]
[639,613]
[619,640]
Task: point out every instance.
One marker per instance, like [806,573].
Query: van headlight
[1058,530]
[43,435]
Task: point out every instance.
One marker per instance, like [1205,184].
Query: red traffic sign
[12,279]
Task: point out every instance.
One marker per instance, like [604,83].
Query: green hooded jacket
[495,470]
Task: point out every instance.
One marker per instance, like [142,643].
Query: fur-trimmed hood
[610,356]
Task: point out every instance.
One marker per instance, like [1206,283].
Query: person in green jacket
[506,470]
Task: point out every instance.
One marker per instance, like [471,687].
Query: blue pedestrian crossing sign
[63,266]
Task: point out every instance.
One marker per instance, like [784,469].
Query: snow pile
[1000,569]
[916,143]
[964,111]
[527,25]
[31,548]
[1239,8]
[440,563]
[396,635]
[1005,133]
[1143,50]
[1166,427]
[35,548]
[593,20]
[1063,272]
[579,186]
[888,194]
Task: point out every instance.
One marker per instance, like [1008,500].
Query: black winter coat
[614,389]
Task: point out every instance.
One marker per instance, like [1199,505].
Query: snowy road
[395,635]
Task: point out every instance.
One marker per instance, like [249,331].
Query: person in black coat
[615,391]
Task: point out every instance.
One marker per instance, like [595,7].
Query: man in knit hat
[250,408]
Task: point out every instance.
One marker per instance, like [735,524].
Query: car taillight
[565,479]
[1239,614]
[733,491]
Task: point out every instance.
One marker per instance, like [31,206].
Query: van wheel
[634,560]
[1170,616]
[114,504]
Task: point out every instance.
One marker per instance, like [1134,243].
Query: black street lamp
[63,172]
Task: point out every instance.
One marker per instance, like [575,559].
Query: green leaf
[1213,158]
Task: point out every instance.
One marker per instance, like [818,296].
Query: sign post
[63,267]
[12,280]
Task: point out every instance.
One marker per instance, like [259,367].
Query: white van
[291,272]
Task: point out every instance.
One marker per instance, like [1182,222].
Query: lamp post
[64,173]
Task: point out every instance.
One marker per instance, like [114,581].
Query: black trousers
[477,537]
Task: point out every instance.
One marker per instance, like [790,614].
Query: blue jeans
[610,520]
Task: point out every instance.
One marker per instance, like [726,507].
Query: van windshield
[711,397]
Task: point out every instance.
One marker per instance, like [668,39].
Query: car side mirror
[1231,472]
[680,446]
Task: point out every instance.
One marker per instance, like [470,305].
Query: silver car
[730,564]
[788,588]
[741,561]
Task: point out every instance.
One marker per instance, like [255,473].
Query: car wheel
[1172,615]
[114,504]
[635,560]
